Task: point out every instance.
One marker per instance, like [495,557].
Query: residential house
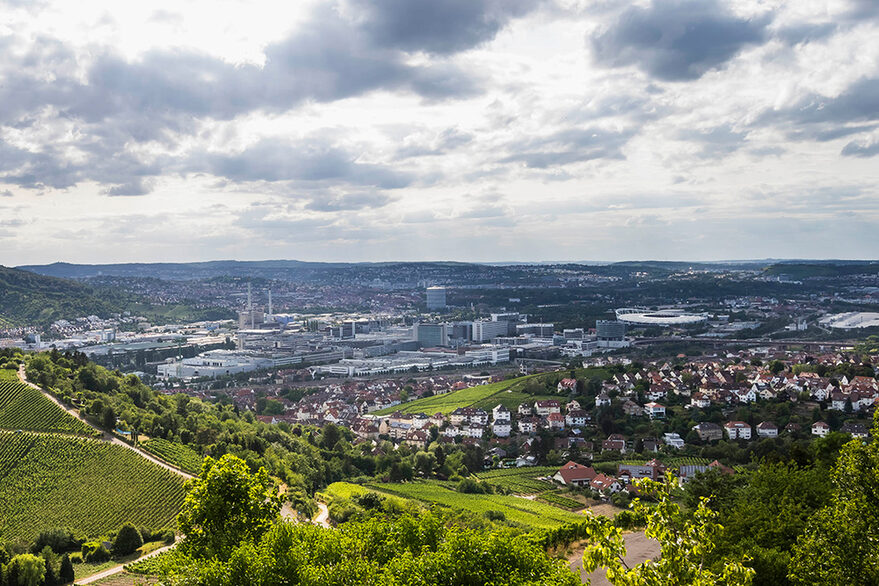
[767,429]
[501,428]
[556,421]
[605,484]
[614,443]
[737,430]
[545,408]
[566,385]
[673,440]
[820,428]
[708,431]
[654,410]
[574,474]
[577,418]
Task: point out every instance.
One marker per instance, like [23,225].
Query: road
[116,569]
[639,549]
[104,435]
[323,517]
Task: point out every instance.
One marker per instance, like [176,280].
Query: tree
[838,545]
[226,504]
[65,573]
[108,417]
[27,569]
[684,545]
[127,540]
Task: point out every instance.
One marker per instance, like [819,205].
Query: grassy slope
[487,397]
[482,394]
[88,486]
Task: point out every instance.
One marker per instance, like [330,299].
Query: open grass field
[528,513]
[23,407]
[88,486]
[175,454]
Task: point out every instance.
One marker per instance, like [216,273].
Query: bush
[470,486]
[95,552]
[127,541]
[495,516]
[59,540]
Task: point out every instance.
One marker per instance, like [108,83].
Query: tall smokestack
[270,302]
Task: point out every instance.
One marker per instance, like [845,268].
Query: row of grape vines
[88,486]
[23,407]
[175,454]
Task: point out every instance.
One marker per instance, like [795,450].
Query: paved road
[323,517]
[104,436]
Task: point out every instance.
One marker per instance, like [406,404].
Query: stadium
[667,317]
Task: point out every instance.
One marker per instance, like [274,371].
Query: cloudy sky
[483,130]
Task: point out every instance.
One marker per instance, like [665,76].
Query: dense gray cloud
[570,146]
[308,160]
[861,149]
[676,40]
[438,27]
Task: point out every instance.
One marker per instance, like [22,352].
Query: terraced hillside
[23,407]
[86,485]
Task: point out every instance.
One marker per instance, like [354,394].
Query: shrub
[94,552]
[495,516]
[60,540]
[127,541]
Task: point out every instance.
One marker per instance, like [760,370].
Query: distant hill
[29,298]
[268,269]
[809,269]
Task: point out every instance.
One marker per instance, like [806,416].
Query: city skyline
[485,131]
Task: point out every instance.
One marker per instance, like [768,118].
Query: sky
[469,130]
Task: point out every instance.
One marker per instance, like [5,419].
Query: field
[88,486]
[22,407]
[450,401]
[553,498]
[520,480]
[528,513]
[175,454]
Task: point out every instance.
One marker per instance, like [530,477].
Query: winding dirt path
[104,435]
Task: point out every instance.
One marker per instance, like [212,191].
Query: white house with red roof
[574,474]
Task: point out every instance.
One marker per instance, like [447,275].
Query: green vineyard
[175,454]
[88,486]
[528,513]
[519,480]
[23,407]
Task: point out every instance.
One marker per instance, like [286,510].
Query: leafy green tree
[839,545]
[28,569]
[685,545]
[226,504]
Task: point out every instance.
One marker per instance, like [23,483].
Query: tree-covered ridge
[30,299]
